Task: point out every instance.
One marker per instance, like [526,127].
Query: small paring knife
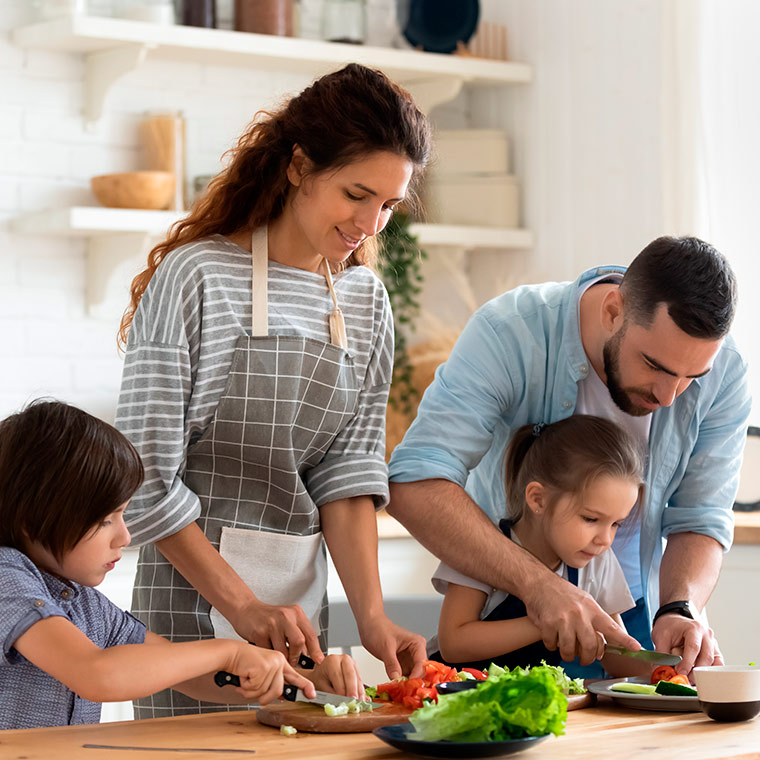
[647,655]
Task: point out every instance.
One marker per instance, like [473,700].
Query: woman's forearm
[201,565]
[350,530]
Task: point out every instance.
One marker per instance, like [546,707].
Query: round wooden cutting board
[312,718]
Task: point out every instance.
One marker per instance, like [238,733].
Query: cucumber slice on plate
[634,688]
[668,689]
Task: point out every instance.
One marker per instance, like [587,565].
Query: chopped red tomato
[481,675]
[411,691]
[662,673]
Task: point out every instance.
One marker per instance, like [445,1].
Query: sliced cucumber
[668,689]
[633,688]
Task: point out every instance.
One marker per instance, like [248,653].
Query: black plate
[398,736]
[437,25]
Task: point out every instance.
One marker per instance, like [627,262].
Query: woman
[257,369]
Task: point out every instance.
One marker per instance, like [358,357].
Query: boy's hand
[263,673]
[339,674]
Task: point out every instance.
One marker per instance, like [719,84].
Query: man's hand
[570,620]
[402,651]
[692,639]
[283,628]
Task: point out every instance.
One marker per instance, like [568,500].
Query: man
[647,347]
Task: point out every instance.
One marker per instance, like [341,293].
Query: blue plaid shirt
[519,361]
[29,697]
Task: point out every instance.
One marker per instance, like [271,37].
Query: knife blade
[290,693]
[647,655]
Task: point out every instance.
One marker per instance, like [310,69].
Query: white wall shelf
[119,240]
[96,221]
[115,46]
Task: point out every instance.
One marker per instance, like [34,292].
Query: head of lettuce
[509,705]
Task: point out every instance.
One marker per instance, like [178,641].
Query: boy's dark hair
[694,281]
[567,456]
[61,472]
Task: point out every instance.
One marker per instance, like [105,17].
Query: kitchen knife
[290,693]
[656,658]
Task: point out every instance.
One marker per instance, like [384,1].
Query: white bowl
[728,693]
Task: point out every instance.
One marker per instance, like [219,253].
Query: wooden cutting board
[312,718]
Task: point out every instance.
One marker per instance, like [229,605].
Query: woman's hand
[402,651]
[339,674]
[283,628]
[263,673]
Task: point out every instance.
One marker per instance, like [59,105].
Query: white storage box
[470,151]
[487,201]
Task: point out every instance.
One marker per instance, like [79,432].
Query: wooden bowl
[145,190]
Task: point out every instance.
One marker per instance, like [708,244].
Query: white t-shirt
[594,398]
[602,578]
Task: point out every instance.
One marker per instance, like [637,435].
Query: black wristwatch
[680,608]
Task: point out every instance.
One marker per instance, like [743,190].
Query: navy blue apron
[510,609]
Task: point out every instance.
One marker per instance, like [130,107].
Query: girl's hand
[402,651]
[339,674]
[283,628]
[263,673]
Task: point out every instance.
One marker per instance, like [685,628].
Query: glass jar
[344,21]
[264,17]
[198,13]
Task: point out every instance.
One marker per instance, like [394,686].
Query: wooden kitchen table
[605,731]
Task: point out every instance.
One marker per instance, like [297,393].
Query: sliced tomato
[427,692]
[662,673]
[413,702]
[481,675]
[678,678]
[433,665]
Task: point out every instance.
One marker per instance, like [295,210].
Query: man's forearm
[690,568]
[448,523]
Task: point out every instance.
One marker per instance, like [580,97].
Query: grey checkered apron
[286,400]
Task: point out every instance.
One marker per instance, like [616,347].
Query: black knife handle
[223,678]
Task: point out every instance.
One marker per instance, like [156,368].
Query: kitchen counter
[600,732]
[747,530]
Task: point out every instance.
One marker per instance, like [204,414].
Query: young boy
[65,481]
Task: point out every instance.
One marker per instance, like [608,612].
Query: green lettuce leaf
[510,705]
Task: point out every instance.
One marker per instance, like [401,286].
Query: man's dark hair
[690,277]
[62,471]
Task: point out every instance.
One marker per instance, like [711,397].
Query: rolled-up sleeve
[155,392]
[355,464]
[459,410]
[703,500]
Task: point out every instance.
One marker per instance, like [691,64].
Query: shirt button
[567,404]
[65,594]
[39,603]
[584,369]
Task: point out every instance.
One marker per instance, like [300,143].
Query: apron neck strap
[259,274]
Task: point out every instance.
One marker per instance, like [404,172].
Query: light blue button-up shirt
[519,361]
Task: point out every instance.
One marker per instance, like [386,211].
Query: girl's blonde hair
[567,456]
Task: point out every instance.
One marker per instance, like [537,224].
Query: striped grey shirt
[179,353]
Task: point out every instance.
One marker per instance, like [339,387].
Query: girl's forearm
[481,639]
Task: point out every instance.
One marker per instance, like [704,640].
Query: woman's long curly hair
[341,118]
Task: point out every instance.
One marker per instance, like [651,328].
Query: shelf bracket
[429,93]
[102,69]
[112,263]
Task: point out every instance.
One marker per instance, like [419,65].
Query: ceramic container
[728,693]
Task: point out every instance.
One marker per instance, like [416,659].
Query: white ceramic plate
[643,701]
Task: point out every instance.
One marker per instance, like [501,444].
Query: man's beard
[611,354]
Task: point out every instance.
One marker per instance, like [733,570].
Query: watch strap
[682,607]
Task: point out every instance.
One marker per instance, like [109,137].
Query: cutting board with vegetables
[313,719]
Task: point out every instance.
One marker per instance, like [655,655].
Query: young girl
[65,480]
[569,486]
